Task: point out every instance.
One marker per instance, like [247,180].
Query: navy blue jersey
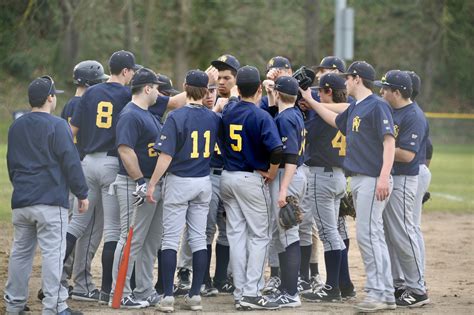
[66,114]
[263,104]
[365,124]
[189,135]
[43,163]
[249,134]
[290,126]
[426,141]
[159,108]
[410,128]
[97,115]
[138,129]
[217,160]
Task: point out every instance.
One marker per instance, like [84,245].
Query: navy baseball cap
[331,81]
[278,62]
[395,79]
[226,61]
[287,85]
[332,62]
[144,76]
[197,78]
[415,82]
[40,88]
[167,85]
[362,69]
[248,75]
[122,59]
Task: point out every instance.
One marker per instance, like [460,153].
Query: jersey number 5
[207,145]
[104,115]
[235,136]
[339,142]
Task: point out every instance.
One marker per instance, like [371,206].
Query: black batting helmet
[89,72]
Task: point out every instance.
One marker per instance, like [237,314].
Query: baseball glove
[426,197]
[347,206]
[291,214]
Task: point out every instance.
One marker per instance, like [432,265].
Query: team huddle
[132,153]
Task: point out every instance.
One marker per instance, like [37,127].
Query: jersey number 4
[207,144]
[104,115]
[339,142]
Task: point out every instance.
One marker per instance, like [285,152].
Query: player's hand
[269,85]
[83,205]
[382,190]
[306,94]
[220,103]
[304,105]
[139,194]
[273,74]
[149,193]
[234,91]
[213,75]
[282,198]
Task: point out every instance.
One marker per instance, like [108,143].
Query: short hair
[414,94]
[248,90]
[338,95]
[367,83]
[138,89]
[287,98]
[225,67]
[405,93]
[39,102]
[195,93]
[115,70]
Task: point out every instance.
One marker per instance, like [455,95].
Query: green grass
[452,184]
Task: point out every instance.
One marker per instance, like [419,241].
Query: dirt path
[450,273]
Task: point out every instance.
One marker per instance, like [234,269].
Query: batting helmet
[89,72]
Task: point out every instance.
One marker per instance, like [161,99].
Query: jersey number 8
[104,115]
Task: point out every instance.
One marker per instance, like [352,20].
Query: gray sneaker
[166,304]
[153,299]
[92,296]
[193,303]
[369,305]
[258,303]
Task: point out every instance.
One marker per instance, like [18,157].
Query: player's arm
[164,161]
[404,156]
[130,161]
[74,129]
[290,169]
[336,107]
[326,114]
[177,101]
[275,160]
[382,189]
[429,151]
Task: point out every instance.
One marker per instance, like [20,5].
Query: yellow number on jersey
[303,142]
[235,136]
[339,142]
[69,122]
[207,144]
[216,149]
[151,150]
[104,115]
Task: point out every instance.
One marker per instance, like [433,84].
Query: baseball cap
[332,62]
[287,85]
[197,78]
[362,69]
[415,82]
[248,75]
[331,81]
[122,59]
[278,62]
[40,88]
[226,61]
[144,76]
[395,79]
[167,85]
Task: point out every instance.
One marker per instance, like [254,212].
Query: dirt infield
[450,274]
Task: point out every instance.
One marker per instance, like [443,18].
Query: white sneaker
[272,285]
[317,283]
[166,304]
[369,305]
[287,300]
[193,303]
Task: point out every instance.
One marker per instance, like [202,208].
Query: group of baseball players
[219,158]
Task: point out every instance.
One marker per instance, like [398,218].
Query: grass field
[452,185]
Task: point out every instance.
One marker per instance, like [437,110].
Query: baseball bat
[123,266]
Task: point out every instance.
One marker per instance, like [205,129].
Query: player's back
[249,135]
[97,116]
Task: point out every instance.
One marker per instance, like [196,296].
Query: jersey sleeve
[168,138]
[68,157]
[76,116]
[128,131]
[429,149]
[382,120]
[341,120]
[411,133]
[269,134]
[159,108]
[289,135]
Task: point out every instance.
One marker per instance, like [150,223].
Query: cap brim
[380,84]
[217,64]
[171,92]
[58,91]
[137,67]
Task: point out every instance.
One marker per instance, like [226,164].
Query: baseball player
[185,144]
[43,165]
[370,149]
[252,149]
[290,180]
[96,118]
[410,125]
[137,130]
[327,185]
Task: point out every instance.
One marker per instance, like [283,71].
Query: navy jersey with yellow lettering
[249,134]
[159,108]
[365,124]
[217,161]
[138,129]
[67,113]
[189,136]
[97,115]
[410,128]
[290,126]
